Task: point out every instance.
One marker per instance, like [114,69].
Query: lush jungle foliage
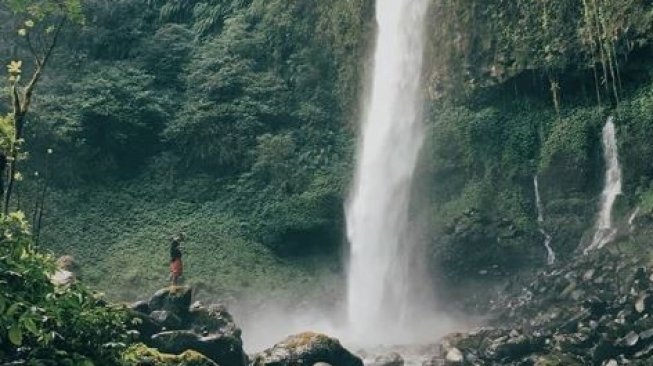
[235,121]
[67,325]
[521,89]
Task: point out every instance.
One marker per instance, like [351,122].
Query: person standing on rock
[176,265]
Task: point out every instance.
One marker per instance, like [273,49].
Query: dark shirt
[175,253]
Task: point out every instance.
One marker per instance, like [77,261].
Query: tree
[44,20]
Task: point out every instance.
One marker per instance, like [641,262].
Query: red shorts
[176,267]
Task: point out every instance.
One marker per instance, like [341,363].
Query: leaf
[16,335]
[84,362]
[31,326]
[13,308]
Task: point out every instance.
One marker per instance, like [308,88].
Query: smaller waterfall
[605,233]
[631,219]
[551,256]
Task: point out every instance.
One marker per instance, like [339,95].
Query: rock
[611,362]
[145,326]
[390,359]
[142,356]
[62,277]
[224,350]
[640,279]
[166,319]
[604,350]
[306,349]
[645,335]
[571,287]
[140,306]
[213,319]
[577,295]
[513,348]
[556,359]
[647,352]
[174,299]
[435,361]
[321,364]
[630,340]
[595,306]
[175,326]
[644,303]
[454,357]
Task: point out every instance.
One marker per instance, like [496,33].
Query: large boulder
[144,325]
[307,349]
[140,307]
[141,355]
[212,319]
[223,349]
[175,299]
[167,319]
[169,323]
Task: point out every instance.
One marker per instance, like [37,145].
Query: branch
[33,51]
[27,96]
[15,99]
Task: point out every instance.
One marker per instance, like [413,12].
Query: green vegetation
[235,121]
[519,89]
[231,123]
[41,321]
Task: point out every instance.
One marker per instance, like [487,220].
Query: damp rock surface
[169,323]
[593,311]
[307,348]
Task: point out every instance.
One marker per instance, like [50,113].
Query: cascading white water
[551,256]
[380,277]
[605,233]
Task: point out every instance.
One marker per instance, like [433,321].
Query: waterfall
[605,233]
[631,219]
[381,270]
[551,256]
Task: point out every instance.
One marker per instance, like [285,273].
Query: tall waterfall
[550,254]
[605,233]
[381,267]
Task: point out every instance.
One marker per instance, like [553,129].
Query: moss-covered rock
[140,354]
[557,360]
[223,349]
[307,349]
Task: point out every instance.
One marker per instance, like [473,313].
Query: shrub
[40,321]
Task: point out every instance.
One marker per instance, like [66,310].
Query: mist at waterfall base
[269,318]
